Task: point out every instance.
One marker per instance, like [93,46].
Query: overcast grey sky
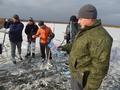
[59,10]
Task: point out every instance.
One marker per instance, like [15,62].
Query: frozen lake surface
[29,74]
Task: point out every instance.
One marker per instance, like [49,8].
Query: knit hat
[16,17]
[31,19]
[40,23]
[73,18]
[88,11]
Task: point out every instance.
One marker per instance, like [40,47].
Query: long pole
[70,30]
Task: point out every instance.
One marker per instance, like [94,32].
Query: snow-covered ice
[29,75]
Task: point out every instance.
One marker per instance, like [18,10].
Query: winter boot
[50,58]
[43,60]
[13,60]
[27,55]
[33,55]
[20,57]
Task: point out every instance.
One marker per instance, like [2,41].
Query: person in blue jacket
[15,36]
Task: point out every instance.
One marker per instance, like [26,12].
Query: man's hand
[33,36]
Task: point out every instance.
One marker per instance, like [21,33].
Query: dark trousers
[13,48]
[76,84]
[45,51]
[88,82]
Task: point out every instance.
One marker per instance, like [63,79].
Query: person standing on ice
[71,29]
[30,30]
[90,52]
[15,36]
[45,34]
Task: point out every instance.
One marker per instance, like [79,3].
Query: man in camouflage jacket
[90,51]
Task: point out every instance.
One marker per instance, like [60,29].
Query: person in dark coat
[30,30]
[71,29]
[15,36]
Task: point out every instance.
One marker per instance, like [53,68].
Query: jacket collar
[81,31]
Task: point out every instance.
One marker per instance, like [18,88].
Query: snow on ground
[30,75]
[112,80]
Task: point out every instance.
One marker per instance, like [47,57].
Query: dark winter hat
[16,17]
[88,11]
[31,19]
[73,18]
[41,23]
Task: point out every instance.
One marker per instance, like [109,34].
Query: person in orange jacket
[44,33]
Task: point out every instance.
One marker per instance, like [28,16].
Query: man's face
[43,26]
[14,20]
[85,22]
[30,22]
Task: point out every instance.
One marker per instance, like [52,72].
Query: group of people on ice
[87,43]
[32,31]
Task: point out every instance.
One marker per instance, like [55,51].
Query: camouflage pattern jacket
[90,51]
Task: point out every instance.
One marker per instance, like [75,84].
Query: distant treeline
[59,22]
[48,21]
[114,26]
